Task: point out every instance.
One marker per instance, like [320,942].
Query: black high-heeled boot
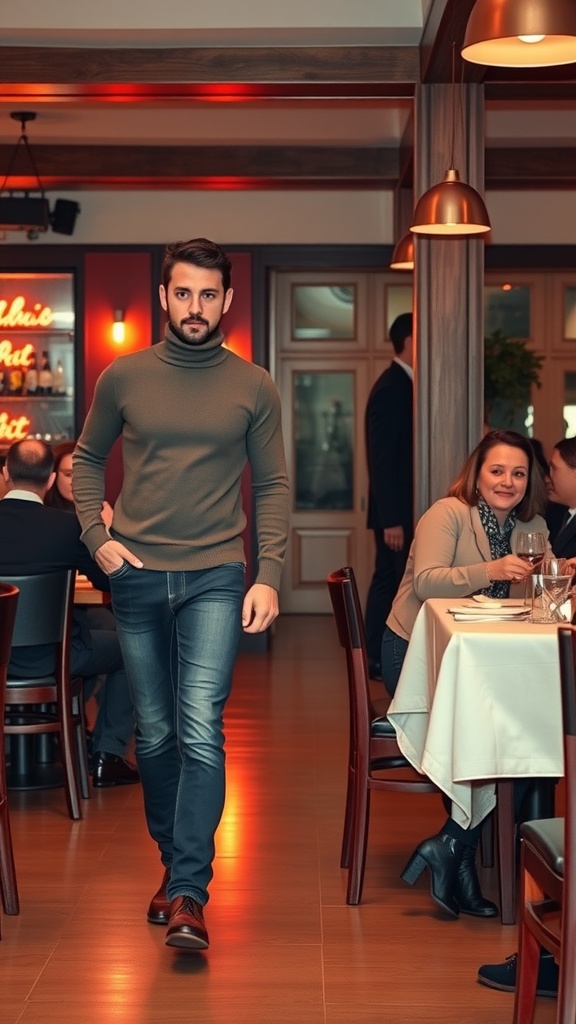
[442,855]
[468,892]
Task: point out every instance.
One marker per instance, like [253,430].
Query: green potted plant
[511,369]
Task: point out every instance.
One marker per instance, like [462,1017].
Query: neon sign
[16,314]
[15,429]
[15,357]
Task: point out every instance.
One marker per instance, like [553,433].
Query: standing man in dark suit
[38,539]
[389,448]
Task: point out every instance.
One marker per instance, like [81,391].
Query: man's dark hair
[399,331]
[201,252]
[30,462]
[566,448]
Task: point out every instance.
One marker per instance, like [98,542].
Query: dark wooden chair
[49,704]
[375,760]
[8,886]
[548,872]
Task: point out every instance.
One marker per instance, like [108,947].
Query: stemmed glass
[530,547]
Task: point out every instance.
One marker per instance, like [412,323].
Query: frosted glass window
[570,312]
[399,300]
[507,309]
[323,311]
[569,406]
[323,406]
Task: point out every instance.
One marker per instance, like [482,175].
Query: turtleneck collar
[177,352]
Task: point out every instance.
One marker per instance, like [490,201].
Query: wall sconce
[119,327]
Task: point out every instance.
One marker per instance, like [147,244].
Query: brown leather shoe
[186,928]
[159,909]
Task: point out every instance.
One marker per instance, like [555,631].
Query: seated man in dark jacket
[36,539]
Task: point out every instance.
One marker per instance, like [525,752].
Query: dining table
[478,700]
[85,593]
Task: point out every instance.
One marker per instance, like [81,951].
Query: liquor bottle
[59,379]
[45,376]
[15,381]
[31,378]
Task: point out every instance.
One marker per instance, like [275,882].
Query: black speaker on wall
[63,217]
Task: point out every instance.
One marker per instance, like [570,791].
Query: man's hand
[259,609]
[110,555]
[394,537]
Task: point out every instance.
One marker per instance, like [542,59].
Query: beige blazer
[447,559]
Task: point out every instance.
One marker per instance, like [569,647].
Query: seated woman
[464,545]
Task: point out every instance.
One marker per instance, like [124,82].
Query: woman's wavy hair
[464,486]
[53,497]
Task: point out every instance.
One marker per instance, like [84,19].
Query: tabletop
[85,593]
[478,701]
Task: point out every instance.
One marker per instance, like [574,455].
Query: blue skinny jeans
[179,634]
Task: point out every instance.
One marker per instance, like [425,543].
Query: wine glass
[530,547]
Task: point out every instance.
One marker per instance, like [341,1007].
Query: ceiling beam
[531,167]
[73,166]
[267,167]
[83,70]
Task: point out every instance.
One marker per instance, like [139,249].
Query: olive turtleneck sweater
[189,419]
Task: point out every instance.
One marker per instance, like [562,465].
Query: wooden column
[448,298]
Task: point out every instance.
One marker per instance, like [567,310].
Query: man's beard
[191,339]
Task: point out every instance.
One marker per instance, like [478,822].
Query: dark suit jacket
[562,539]
[37,539]
[389,448]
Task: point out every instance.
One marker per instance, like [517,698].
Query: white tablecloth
[478,701]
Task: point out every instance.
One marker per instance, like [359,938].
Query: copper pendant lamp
[451,209]
[521,33]
[403,255]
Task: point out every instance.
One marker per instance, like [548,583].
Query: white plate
[491,617]
[478,611]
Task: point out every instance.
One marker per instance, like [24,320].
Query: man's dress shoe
[159,909]
[111,770]
[186,928]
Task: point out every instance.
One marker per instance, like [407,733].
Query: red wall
[114,281]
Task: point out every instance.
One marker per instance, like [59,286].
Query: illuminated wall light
[119,327]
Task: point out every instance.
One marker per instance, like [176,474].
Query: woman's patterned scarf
[499,541]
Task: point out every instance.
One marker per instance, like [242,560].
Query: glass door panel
[324,415]
[507,309]
[323,312]
[569,403]
[320,312]
[399,299]
[570,312]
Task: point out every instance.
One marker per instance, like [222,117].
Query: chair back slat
[348,615]
[8,605]
[567,648]
[43,607]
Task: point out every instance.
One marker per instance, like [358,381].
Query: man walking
[190,414]
[389,449]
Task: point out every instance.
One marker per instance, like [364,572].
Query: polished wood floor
[284,945]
